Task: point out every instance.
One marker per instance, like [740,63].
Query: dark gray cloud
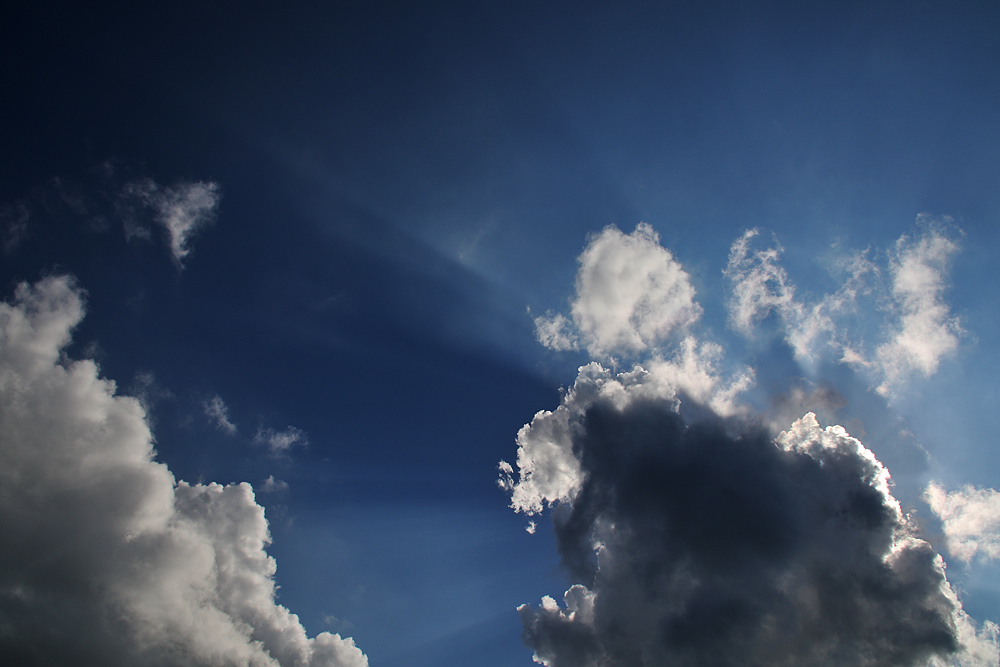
[714,545]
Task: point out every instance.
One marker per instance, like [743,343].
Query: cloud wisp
[711,541]
[918,328]
[218,415]
[280,443]
[970,518]
[182,210]
[109,560]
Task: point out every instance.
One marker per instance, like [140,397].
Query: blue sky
[321,246]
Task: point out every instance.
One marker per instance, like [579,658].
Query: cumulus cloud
[182,209]
[631,294]
[218,414]
[918,329]
[106,558]
[272,485]
[926,331]
[281,442]
[970,518]
[713,543]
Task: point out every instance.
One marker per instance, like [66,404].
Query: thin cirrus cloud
[281,442]
[918,328]
[218,415]
[713,541]
[182,209]
[110,560]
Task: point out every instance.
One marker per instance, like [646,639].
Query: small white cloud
[281,442]
[218,414]
[970,518]
[182,209]
[272,485]
[926,330]
[631,294]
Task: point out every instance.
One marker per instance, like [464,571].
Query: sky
[498,334]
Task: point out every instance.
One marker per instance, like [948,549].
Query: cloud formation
[182,209]
[970,518]
[918,329]
[715,544]
[631,294]
[708,540]
[281,442]
[107,560]
[218,414]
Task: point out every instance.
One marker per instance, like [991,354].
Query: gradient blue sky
[405,186]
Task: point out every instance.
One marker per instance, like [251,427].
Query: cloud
[272,485]
[926,330]
[970,518]
[918,329]
[696,537]
[106,558]
[631,294]
[281,442]
[711,543]
[218,414]
[182,209]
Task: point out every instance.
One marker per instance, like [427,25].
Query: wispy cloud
[918,329]
[182,209]
[281,442]
[108,559]
[218,414]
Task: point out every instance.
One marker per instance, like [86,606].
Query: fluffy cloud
[281,442]
[918,328]
[926,330]
[631,294]
[714,544]
[182,209]
[218,414]
[970,518]
[106,559]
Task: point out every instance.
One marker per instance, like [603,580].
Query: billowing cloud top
[108,560]
[630,295]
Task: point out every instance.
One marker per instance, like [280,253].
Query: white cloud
[926,330]
[970,518]
[281,442]
[106,559]
[218,414]
[272,485]
[182,209]
[918,329]
[631,294]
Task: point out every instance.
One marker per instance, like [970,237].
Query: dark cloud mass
[714,545]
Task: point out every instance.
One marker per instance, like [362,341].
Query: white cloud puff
[281,442]
[970,518]
[926,330]
[105,558]
[182,209]
[218,414]
[631,294]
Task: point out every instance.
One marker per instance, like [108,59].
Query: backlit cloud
[631,294]
[970,518]
[917,329]
[109,560]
